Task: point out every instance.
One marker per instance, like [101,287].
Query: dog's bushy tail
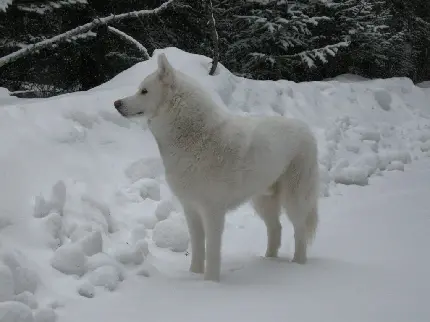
[311,225]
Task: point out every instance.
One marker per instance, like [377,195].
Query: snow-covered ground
[90,232]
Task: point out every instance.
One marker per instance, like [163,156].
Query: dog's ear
[166,72]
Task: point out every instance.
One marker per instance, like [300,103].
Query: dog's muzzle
[119,106]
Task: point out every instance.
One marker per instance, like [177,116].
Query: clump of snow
[70,260]
[127,254]
[386,157]
[171,233]
[396,165]
[24,278]
[103,259]
[105,276]
[7,287]
[150,188]
[26,298]
[148,270]
[41,207]
[352,175]
[369,135]
[56,203]
[368,162]
[54,226]
[425,147]
[103,209]
[164,209]
[424,136]
[149,221]
[138,233]
[11,311]
[143,247]
[353,147]
[45,315]
[87,290]
[92,243]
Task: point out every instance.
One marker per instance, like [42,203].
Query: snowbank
[83,201]
[5,94]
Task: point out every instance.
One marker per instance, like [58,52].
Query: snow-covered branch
[81,29]
[131,40]
[309,56]
[4,4]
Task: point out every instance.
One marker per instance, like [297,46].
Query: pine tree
[373,42]
[274,41]
[410,21]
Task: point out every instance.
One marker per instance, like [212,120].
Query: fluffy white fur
[216,161]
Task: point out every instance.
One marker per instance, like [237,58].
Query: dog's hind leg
[197,236]
[268,208]
[297,218]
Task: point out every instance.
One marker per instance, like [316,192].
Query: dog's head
[152,93]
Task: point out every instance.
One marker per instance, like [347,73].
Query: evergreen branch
[309,56]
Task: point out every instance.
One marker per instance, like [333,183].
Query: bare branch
[215,38]
[131,40]
[81,29]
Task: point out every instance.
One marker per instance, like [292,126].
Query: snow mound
[138,233]
[70,260]
[171,233]
[164,209]
[352,175]
[396,165]
[7,289]
[103,259]
[28,299]
[11,311]
[425,147]
[24,278]
[148,270]
[87,290]
[92,244]
[105,276]
[45,315]
[150,188]
[127,254]
[149,221]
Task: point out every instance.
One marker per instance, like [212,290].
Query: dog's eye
[144,91]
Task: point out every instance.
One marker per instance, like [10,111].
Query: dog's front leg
[214,227]
[197,236]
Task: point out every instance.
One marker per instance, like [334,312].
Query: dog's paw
[300,259]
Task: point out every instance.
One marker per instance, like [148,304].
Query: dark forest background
[298,40]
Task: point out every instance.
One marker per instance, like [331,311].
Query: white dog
[215,161]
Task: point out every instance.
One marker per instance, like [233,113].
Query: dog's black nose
[117,104]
